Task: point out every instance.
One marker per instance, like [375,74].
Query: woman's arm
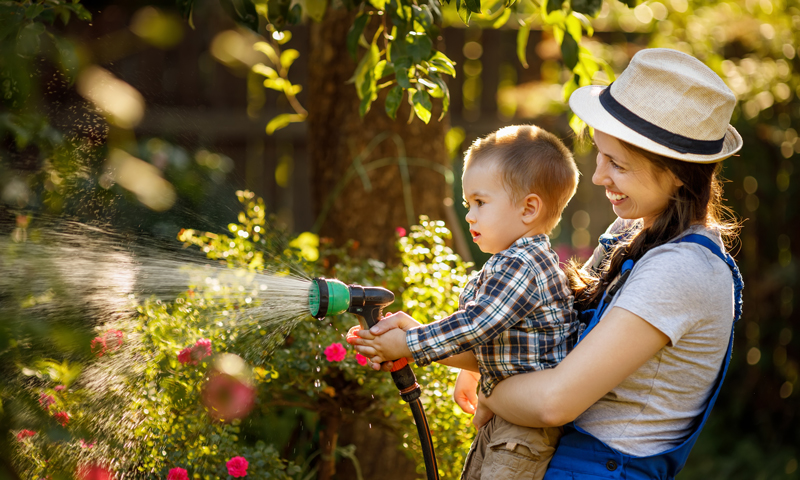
[615,348]
[464,361]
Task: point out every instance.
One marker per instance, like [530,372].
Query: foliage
[162,417]
[399,41]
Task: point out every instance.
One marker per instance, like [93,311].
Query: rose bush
[145,394]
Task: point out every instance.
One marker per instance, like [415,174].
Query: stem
[328,438]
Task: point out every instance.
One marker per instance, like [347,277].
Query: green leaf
[443,63]
[569,51]
[419,47]
[402,78]
[288,57]
[585,23]
[366,103]
[283,120]
[553,5]
[382,69]
[379,4]
[364,69]
[573,25]
[522,44]
[34,11]
[589,7]
[630,3]
[464,13]
[423,16]
[393,101]
[355,33]
[242,11]
[445,93]
[473,5]
[316,9]
[570,87]
[422,105]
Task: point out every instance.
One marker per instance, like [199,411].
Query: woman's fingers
[464,392]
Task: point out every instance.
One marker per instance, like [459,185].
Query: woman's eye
[614,165]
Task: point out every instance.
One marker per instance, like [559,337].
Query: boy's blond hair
[530,160]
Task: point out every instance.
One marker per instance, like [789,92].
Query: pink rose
[192,355]
[62,418]
[203,348]
[185,355]
[25,434]
[46,400]
[361,359]
[98,346]
[237,467]
[113,339]
[335,352]
[59,388]
[400,231]
[177,474]
[86,445]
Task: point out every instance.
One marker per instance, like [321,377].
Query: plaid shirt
[516,315]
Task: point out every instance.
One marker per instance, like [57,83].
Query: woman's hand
[465,392]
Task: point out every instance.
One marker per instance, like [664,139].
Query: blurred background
[145,120]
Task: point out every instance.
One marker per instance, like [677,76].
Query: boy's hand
[386,347]
[359,338]
[465,392]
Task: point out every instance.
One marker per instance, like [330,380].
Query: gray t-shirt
[686,292]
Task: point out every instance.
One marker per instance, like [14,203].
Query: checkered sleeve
[506,295]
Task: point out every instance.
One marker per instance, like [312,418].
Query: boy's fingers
[352,335]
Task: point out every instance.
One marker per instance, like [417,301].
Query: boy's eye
[480,203]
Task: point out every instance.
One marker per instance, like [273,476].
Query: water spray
[331,297]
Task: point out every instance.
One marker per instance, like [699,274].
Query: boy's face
[494,221]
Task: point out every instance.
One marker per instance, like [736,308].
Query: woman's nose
[600,177]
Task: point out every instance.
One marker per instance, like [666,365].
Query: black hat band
[675,141]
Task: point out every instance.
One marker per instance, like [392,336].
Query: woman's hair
[698,200]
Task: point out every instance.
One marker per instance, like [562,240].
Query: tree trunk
[369,213]
[338,141]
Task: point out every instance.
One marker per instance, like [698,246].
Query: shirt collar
[540,239]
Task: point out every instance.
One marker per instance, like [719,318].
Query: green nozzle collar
[328,297]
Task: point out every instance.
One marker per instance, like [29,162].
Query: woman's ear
[531,208]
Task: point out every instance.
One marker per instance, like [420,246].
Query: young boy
[516,315]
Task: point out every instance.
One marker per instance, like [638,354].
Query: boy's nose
[468,217]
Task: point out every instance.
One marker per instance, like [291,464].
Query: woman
[636,390]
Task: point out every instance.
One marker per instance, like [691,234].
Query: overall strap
[582,456]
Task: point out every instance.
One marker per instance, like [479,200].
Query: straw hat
[665,102]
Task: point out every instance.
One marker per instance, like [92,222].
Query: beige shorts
[504,451]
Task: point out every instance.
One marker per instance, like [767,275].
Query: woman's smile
[615,197]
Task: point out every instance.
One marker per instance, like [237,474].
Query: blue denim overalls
[582,456]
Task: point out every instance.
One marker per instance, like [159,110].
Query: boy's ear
[532,206]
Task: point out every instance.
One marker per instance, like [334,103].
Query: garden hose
[331,297]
